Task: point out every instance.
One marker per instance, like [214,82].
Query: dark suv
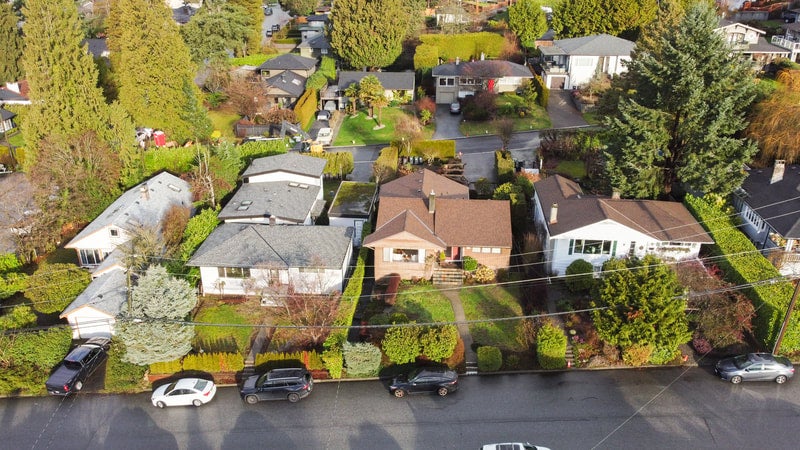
[278,384]
[81,362]
[425,379]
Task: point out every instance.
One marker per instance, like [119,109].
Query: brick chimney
[777,171]
[554,213]
[432,202]
[144,191]
[615,194]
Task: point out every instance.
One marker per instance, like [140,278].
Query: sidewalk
[470,357]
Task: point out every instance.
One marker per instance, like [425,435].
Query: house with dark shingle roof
[769,204]
[571,63]
[257,259]
[94,311]
[396,85]
[284,89]
[574,226]
[461,79]
[287,62]
[315,47]
[417,225]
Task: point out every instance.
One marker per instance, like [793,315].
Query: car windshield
[201,385]
[171,387]
[741,361]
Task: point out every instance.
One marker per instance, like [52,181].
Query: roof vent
[174,188]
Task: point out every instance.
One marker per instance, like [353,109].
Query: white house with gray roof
[462,79]
[256,259]
[93,313]
[281,189]
[571,63]
[144,205]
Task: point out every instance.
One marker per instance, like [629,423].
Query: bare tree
[173,225]
[247,96]
[505,128]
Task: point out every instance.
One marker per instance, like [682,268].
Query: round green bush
[580,276]
[490,359]
[469,263]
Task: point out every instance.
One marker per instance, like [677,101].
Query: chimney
[554,213]
[458,60]
[272,220]
[615,194]
[144,191]
[432,202]
[777,172]
[483,56]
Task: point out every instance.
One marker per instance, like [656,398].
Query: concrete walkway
[470,357]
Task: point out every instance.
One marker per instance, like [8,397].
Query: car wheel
[160,405]
[293,397]
[78,385]
[442,391]
[251,399]
[399,393]
[736,379]
[197,402]
[780,379]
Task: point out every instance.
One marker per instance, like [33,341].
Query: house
[769,207]
[572,225]
[790,40]
[144,205]
[6,120]
[93,313]
[352,206]
[461,79]
[425,219]
[571,63]
[287,62]
[257,259]
[14,93]
[397,85]
[315,47]
[750,42]
[281,189]
[315,26]
[284,89]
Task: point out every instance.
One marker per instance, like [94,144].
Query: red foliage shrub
[391,290]
[426,104]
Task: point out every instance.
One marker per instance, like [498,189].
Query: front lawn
[423,303]
[491,302]
[535,119]
[359,130]
[217,338]
[572,169]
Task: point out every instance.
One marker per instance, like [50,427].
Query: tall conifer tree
[11,43]
[354,36]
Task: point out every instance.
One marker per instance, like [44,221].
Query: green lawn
[572,169]
[490,302]
[359,130]
[223,121]
[252,60]
[217,338]
[423,303]
[536,119]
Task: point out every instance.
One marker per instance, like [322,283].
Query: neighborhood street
[614,409]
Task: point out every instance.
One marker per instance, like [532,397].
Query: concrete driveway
[278,17]
[446,123]
[562,112]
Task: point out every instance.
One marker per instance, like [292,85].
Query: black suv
[81,362]
[425,379]
[278,384]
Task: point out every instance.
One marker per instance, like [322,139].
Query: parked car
[267,10]
[513,446]
[276,27]
[455,108]
[76,367]
[184,392]
[325,136]
[278,384]
[755,367]
[324,115]
[425,380]
[269,33]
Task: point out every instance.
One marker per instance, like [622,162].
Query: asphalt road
[614,409]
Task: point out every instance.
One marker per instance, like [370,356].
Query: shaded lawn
[537,119]
[423,303]
[572,169]
[211,336]
[359,130]
[223,121]
[491,302]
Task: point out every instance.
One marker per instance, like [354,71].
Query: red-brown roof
[420,184]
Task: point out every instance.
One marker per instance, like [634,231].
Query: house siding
[89,322]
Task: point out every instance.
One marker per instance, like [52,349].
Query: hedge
[310,359]
[338,165]
[505,167]
[214,362]
[490,359]
[542,92]
[175,160]
[174,366]
[305,107]
[388,158]
[443,150]
[465,46]
[743,264]
[551,347]
[426,57]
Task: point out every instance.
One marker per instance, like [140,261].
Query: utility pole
[788,316]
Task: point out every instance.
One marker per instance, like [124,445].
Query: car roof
[78,353]
[187,383]
[285,373]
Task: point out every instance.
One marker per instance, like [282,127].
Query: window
[91,256]
[233,272]
[401,255]
[591,247]
[113,232]
[447,81]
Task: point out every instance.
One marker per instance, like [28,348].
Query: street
[614,409]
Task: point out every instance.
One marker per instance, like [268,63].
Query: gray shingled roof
[7,95]
[6,114]
[288,61]
[594,45]
[777,203]
[289,82]
[132,208]
[286,162]
[396,81]
[288,246]
[106,293]
[283,199]
[494,68]
[318,42]
[765,47]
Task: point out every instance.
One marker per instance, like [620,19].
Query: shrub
[701,344]
[21,316]
[484,274]
[438,343]
[174,366]
[469,263]
[310,359]
[361,359]
[490,359]
[426,104]
[9,263]
[480,107]
[54,286]
[580,276]
[123,376]
[505,167]
[214,362]
[663,355]
[334,362]
[512,362]
[402,344]
[551,347]
[637,354]
[542,92]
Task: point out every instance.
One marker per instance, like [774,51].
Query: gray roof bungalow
[94,311]
[461,79]
[300,65]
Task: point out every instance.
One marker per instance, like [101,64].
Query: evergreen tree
[300,7]
[354,36]
[61,74]
[256,14]
[575,18]
[217,28]
[679,124]
[11,43]
[152,67]
[527,21]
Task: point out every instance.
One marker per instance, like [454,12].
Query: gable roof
[396,81]
[420,184]
[318,42]
[11,97]
[594,45]
[286,246]
[726,23]
[286,162]
[489,68]
[289,82]
[288,61]
[107,293]
[143,204]
[285,200]
[777,203]
[6,114]
[662,221]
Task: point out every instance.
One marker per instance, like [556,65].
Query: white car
[184,392]
[513,446]
[325,136]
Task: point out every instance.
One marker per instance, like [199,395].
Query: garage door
[445,98]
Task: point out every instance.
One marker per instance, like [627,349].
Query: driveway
[563,113]
[278,17]
[446,123]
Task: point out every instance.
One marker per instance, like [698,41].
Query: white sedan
[184,392]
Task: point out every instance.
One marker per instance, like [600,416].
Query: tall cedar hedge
[305,107]
[743,264]
[466,45]
[542,92]
[443,150]
[505,166]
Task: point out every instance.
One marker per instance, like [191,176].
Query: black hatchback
[278,384]
[425,380]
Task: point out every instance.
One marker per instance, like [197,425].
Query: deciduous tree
[353,35]
[773,122]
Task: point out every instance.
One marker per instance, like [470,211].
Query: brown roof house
[574,226]
[424,216]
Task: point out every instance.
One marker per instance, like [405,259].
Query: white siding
[288,177]
[356,223]
[88,322]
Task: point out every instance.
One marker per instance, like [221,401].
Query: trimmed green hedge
[743,264]
[305,107]
[310,359]
[551,347]
[443,150]
[388,159]
[339,164]
[426,57]
[542,92]
[490,359]
[465,46]
[505,167]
